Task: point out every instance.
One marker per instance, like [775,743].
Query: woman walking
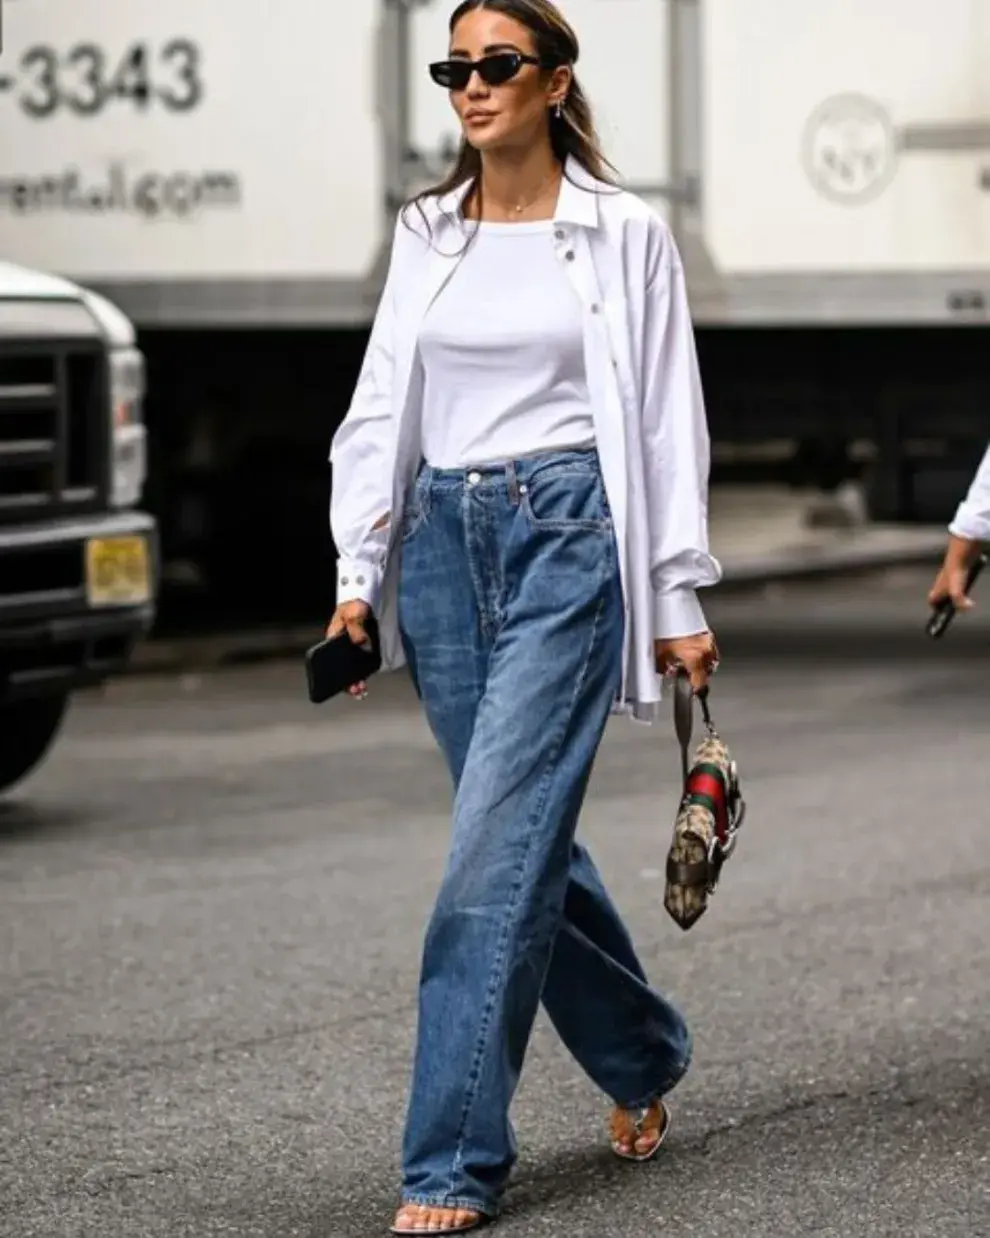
[520,497]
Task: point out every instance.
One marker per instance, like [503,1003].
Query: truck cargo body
[228,173]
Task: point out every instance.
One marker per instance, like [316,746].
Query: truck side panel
[155,142]
[861,134]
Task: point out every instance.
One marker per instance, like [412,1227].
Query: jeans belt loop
[513,482]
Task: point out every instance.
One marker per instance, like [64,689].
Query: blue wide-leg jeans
[511,614]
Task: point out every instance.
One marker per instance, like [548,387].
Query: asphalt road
[211,900]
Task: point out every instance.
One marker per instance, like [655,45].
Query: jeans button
[473,478]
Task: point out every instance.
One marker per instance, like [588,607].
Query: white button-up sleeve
[361,456]
[678,454]
[972,518]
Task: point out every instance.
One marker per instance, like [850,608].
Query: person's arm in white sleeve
[361,456]
[678,455]
[969,528]
[972,518]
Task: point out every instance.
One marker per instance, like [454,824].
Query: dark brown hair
[573,132]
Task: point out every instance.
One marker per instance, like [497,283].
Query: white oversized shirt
[972,518]
[650,425]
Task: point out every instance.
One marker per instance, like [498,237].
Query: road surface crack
[795,1106]
[100,1181]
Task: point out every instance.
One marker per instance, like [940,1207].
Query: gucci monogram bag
[709,815]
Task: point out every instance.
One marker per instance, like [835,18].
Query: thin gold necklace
[527,206]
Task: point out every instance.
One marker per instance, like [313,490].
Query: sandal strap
[626,1122]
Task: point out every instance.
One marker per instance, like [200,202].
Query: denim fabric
[511,614]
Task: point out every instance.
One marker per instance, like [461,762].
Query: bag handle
[684,698]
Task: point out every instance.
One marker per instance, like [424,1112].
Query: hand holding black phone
[336,664]
[945,611]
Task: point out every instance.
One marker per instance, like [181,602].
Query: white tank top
[502,350]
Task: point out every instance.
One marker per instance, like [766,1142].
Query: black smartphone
[335,665]
[945,611]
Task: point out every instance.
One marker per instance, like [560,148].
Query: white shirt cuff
[359,581]
[970,525]
[678,613]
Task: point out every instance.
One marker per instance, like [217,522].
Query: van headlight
[128,463]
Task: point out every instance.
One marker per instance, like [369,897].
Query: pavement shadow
[726,1159]
[22,819]
[575,1172]
[583,1173]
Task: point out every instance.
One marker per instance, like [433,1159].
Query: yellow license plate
[118,571]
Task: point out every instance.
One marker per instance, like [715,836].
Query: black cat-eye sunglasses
[494,70]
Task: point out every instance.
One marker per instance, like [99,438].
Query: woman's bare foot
[637,1133]
[425,1219]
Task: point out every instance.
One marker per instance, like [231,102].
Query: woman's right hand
[951,579]
[350,617]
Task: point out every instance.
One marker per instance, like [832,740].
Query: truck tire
[27,729]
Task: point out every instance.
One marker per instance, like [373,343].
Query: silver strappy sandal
[628,1126]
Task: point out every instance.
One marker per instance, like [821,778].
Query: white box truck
[77,558]
[228,173]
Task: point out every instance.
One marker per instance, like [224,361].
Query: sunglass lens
[497,70]
[494,70]
[451,74]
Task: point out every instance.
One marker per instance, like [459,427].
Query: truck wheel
[27,729]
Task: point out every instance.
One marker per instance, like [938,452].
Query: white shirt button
[596,308]
[569,255]
[359,580]
[345,580]
[560,234]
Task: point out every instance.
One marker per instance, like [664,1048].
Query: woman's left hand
[697,654]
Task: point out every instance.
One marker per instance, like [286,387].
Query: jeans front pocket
[567,495]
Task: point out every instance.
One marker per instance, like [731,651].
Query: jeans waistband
[512,472]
